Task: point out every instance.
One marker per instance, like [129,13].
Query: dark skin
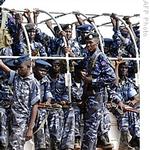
[56,66]
[40,73]
[91,46]
[24,70]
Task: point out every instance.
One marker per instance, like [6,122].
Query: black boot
[135,142]
[124,144]
[104,142]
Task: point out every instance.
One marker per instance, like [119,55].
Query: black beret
[22,59]
[92,36]
[66,26]
[30,27]
[42,64]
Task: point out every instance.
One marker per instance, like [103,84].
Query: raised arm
[5,68]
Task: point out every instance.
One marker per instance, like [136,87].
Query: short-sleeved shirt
[58,89]
[45,89]
[26,93]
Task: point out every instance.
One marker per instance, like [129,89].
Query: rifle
[114,107]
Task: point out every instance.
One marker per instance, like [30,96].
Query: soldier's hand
[87,79]
[29,134]
[127,19]
[68,50]
[63,103]
[121,105]
[27,13]
[19,18]
[36,12]
[62,33]
[90,19]
[119,61]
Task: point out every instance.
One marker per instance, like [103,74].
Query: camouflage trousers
[105,123]
[94,120]
[18,131]
[61,124]
[4,128]
[130,121]
[41,137]
[77,112]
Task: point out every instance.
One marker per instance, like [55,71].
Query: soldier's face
[41,72]
[68,33]
[31,35]
[123,71]
[91,45]
[56,67]
[24,69]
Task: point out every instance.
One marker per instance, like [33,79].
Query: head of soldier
[124,32]
[92,42]
[83,31]
[23,65]
[67,28]
[41,68]
[123,69]
[31,30]
[1,2]
[56,66]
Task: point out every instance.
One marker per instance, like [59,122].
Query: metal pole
[135,45]
[100,38]
[68,74]
[27,39]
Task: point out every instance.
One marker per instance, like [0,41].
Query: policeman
[129,122]
[24,106]
[6,95]
[37,48]
[82,31]
[77,92]
[61,118]
[122,42]
[98,74]
[41,137]
[72,47]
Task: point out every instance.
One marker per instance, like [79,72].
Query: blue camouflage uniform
[61,120]
[26,93]
[102,74]
[57,47]
[130,121]
[77,92]
[37,49]
[124,48]
[5,104]
[41,137]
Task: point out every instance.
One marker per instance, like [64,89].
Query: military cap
[2,1]
[92,36]
[42,64]
[56,61]
[66,26]
[124,64]
[108,42]
[85,28]
[30,27]
[22,59]
[9,62]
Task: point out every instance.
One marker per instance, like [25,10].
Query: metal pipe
[27,39]
[100,38]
